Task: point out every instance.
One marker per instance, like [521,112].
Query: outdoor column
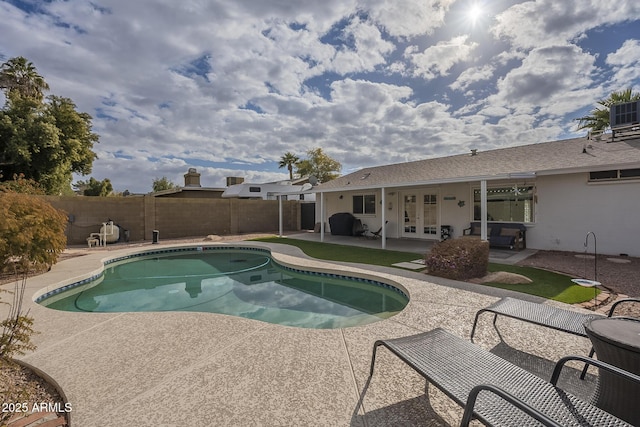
[322,217]
[483,210]
[384,229]
[280,215]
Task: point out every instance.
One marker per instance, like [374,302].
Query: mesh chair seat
[540,314]
[456,366]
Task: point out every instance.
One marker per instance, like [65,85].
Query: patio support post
[383,207]
[322,217]
[280,215]
[483,209]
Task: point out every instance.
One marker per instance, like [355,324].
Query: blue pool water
[239,282]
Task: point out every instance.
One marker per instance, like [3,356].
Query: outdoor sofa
[500,234]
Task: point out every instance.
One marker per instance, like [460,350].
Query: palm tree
[598,120]
[289,159]
[20,75]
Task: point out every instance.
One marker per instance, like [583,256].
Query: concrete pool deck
[201,369]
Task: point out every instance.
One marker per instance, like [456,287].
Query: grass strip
[546,284]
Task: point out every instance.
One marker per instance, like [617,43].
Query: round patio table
[617,342]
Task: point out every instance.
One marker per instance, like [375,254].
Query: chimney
[233,180]
[192,178]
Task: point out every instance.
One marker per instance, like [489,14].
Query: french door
[421,215]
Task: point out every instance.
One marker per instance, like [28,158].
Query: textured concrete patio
[199,369]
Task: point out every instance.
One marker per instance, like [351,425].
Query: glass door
[410,215]
[430,215]
[421,215]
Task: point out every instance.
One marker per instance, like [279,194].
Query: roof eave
[513,175]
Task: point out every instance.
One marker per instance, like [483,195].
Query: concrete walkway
[200,369]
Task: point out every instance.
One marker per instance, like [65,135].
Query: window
[506,204]
[254,189]
[365,204]
[614,175]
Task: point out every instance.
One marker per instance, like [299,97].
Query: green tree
[20,75]
[320,165]
[93,187]
[288,160]
[160,184]
[44,140]
[598,119]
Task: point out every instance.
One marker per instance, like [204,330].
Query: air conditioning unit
[624,114]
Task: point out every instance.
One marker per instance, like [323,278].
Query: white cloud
[437,60]
[228,87]
[408,18]
[626,64]
[471,76]
[547,81]
[549,22]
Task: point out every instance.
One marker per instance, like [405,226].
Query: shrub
[31,238]
[31,232]
[458,259]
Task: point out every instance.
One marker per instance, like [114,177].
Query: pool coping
[212,369]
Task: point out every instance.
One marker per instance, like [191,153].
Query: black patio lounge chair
[548,316]
[495,391]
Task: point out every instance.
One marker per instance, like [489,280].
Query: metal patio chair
[492,389]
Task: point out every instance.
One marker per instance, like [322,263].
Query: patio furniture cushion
[507,234]
[456,367]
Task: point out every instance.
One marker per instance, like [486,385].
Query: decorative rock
[504,277]
[619,260]
[212,238]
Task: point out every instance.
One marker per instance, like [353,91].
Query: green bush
[31,238]
[458,259]
[31,232]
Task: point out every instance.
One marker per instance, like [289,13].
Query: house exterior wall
[569,207]
[566,208]
[450,213]
[173,218]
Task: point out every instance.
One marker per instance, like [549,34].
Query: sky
[228,87]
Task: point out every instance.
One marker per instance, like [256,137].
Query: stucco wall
[450,212]
[174,218]
[569,207]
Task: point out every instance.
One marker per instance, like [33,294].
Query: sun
[474,14]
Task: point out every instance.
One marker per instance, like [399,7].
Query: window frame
[367,203]
[530,199]
[618,175]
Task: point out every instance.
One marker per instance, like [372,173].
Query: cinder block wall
[174,218]
[88,213]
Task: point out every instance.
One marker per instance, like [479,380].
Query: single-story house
[296,189]
[192,189]
[559,190]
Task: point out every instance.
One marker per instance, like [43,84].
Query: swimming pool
[244,282]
